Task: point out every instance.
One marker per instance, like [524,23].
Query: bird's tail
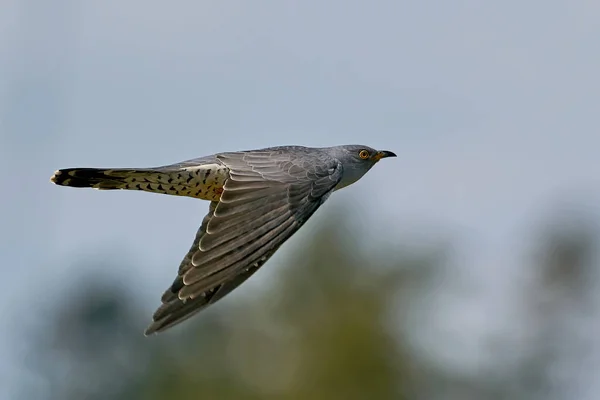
[98,178]
[174,181]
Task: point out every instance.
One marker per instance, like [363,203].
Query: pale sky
[492,108]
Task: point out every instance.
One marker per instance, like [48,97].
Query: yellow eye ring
[364,154]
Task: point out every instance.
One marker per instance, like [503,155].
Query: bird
[258,200]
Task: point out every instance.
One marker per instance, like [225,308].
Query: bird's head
[357,160]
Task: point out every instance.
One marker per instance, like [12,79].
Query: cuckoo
[258,200]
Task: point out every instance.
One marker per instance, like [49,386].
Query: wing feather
[235,221]
[267,198]
[226,254]
[227,240]
[267,244]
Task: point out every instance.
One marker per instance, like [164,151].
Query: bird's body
[259,199]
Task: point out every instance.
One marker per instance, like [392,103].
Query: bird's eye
[364,154]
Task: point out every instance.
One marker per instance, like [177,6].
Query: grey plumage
[259,199]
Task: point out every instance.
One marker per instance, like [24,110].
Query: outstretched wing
[269,195]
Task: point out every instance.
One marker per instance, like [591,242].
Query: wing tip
[158,325]
[152,330]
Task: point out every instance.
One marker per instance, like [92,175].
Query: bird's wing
[266,199]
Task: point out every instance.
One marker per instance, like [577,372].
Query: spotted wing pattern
[269,195]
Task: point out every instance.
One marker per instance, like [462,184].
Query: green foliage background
[333,325]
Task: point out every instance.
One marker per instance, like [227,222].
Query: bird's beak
[383,154]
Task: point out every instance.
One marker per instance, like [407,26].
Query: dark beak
[383,154]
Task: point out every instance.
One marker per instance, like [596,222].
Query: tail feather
[107,179]
[203,182]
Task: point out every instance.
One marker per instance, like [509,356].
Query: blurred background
[467,268]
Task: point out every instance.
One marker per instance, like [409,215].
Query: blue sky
[492,108]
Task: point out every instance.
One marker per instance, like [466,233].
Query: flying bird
[258,200]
